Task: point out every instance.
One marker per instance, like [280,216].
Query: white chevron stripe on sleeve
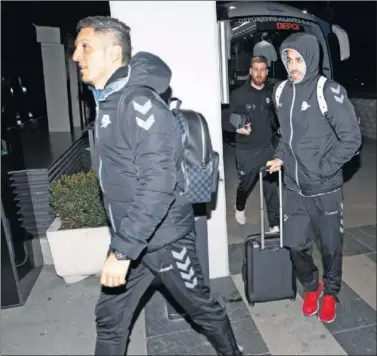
[142,109]
[336,90]
[145,124]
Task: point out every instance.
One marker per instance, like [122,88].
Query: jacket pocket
[310,162]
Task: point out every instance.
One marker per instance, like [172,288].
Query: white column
[184,34]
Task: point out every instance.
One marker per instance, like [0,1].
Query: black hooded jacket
[313,147]
[138,159]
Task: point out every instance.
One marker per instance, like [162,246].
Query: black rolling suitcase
[267,269]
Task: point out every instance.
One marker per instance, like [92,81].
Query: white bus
[242,23]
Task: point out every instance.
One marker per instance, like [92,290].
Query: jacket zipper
[96,146]
[101,163]
[291,138]
[95,94]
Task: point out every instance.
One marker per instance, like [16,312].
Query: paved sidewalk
[58,318]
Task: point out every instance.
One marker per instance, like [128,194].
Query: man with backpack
[254,141]
[320,133]
[139,155]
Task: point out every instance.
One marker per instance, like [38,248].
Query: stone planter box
[77,253]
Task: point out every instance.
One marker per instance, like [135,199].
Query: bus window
[247,31]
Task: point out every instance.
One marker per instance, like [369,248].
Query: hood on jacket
[146,69]
[308,47]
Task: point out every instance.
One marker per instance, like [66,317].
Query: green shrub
[76,200]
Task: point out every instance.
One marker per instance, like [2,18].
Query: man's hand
[244,130]
[114,272]
[275,165]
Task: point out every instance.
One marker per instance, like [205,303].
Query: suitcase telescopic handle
[262,171]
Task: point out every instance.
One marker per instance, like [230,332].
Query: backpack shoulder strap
[278,92]
[321,95]
[174,104]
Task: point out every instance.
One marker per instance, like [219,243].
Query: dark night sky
[18,34]
[359,20]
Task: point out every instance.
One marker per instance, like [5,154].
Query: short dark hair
[107,24]
[258,59]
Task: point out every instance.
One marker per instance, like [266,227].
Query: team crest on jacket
[267,100]
[304,106]
[105,121]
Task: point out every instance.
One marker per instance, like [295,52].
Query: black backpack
[200,164]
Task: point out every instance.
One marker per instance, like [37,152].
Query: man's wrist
[120,256]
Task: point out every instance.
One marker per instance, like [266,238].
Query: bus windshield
[248,31]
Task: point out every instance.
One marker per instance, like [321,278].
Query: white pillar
[184,34]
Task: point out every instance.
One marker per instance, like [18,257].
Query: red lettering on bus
[287,26]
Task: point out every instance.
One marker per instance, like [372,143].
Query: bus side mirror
[344,44]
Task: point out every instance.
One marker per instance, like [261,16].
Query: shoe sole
[325,321]
[318,306]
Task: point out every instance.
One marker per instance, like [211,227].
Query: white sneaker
[275,229]
[240,217]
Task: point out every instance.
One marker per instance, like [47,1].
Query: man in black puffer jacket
[313,150]
[138,154]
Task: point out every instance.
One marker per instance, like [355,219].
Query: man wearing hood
[138,154]
[313,150]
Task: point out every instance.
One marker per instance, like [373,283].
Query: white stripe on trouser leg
[341,228]
[183,263]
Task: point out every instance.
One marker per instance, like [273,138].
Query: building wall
[184,34]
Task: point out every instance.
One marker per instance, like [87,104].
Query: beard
[295,74]
[258,80]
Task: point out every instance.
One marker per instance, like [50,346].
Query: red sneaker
[327,313]
[311,301]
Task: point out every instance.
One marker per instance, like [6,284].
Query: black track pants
[249,163]
[177,267]
[323,215]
